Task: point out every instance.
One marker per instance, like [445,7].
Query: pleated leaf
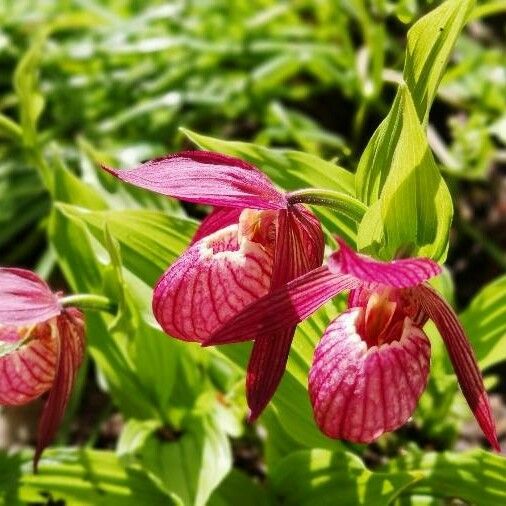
[411,207]
[323,477]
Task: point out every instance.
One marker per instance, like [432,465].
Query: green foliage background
[324,94]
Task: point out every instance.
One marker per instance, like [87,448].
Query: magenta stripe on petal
[397,273]
[25,298]
[72,342]
[284,307]
[299,248]
[210,283]
[462,357]
[359,393]
[218,218]
[28,370]
[206,178]
[266,366]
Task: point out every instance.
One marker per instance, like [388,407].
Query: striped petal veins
[217,277]
[28,363]
[369,370]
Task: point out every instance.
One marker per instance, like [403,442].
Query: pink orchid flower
[372,363]
[41,348]
[254,241]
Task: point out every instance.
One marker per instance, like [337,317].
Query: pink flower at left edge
[41,348]
[253,241]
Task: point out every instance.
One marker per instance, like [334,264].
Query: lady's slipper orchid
[371,366]
[254,241]
[41,348]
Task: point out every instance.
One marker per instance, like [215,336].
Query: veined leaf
[150,240]
[190,465]
[239,488]
[89,477]
[414,210]
[485,322]
[430,42]
[322,477]
[476,477]
[23,200]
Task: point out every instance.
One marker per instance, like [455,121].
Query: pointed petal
[28,364]
[218,218]
[210,283]
[299,249]
[204,177]
[462,357]
[266,366]
[398,273]
[358,393]
[71,333]
[284,307]
[25,298]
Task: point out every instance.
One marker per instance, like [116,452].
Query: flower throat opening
[380,321]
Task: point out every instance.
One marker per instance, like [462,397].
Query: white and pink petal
[28,365]
[211,282]
[358,393]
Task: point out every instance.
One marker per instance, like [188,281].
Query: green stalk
[345,204]
[90,301]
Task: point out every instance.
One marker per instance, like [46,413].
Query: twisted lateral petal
[206,178]
[25,298]
[210,283]
[359,393]
[218,218]
[463,359]
[284,307]
[398,273]
[71,350]
[27,369]
[266,366]
[299,248]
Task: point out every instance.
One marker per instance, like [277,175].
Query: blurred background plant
[89,81]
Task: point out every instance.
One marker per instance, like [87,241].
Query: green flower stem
[345,204]
[90,301]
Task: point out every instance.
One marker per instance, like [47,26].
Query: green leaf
[485,323]
[292,170]
[239,488]
[413,210]
[31,101]
[322,477]
[476,477]
[150,240]
[134,436]
[430,42]
[23,200]
[89,477]
[138,361]
[10,473]
[194,463]
[69,188]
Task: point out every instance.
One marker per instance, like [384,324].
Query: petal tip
[108,169]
